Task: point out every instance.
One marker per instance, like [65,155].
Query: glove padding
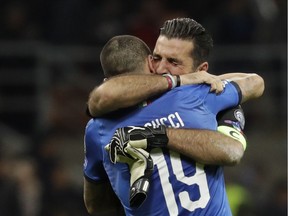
[116,146]
[140,165]
[138,137]
[141,170]
[147,137]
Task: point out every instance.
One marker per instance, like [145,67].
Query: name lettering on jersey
[172,120]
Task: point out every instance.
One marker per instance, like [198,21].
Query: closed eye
[174,61]
[156,58]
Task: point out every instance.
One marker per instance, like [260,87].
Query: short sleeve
[93,162]
[229,97]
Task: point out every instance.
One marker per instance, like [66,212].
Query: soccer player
[99,131]
[182,47]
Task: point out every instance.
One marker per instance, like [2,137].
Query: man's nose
[162,67]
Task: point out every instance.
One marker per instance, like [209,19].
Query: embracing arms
[205,146]
[124,91]
[251,84]
[128,90]
[223,147]
[209,147]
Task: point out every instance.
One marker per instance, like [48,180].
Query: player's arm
[205,146]
[100,199]
[225,147]
[251,84]
[128,90]
[97,191]
[124,91]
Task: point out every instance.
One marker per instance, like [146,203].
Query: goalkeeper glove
[140,165]
[147,137]
[141,170]
[138,137]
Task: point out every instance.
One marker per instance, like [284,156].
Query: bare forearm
[205,146]
[232,76]
[128,90]
[124,91]
[251,84]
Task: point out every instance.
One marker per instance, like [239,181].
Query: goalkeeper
[97,166]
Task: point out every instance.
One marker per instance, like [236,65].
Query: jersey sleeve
[231,96]
[93,167]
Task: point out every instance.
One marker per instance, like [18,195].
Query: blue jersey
[179,185]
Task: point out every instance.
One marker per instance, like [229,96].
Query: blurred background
[49,62]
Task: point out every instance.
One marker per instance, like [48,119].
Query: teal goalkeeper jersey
[179,185]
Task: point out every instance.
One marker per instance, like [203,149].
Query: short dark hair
[189,29]
[123,54]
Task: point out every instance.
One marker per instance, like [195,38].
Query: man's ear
[150,64]
[203,67]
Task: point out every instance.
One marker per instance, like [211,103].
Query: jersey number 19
[199,178]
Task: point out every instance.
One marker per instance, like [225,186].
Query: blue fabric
[179,185]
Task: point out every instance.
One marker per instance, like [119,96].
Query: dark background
[49,62]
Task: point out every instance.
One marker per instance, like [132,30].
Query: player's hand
[200,77]
[140,169]
[116,147]
[146,137]
[138,137]
[139,161]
